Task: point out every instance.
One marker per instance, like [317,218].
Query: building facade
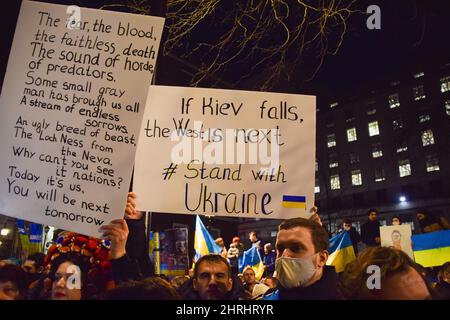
[386,149]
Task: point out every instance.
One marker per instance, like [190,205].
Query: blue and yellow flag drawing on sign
[294,202]
[432,249]
[341,251]
[252,258]
[203,242]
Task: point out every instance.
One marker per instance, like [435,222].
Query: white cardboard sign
[397,237]
[71,106]
[226,153]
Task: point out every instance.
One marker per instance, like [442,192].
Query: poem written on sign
[76,112]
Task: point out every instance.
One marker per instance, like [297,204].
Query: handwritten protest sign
[398,237]
[71,106]
[228,153]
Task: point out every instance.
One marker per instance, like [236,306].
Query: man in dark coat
[370,231]
[354,235]
[302,253]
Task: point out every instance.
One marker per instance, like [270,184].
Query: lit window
[427,137]
[356,178]
[333,161]
[354,158]
[445,84]
[424,118]
[379,175]
[376,150]
[402,147]
[334,182]
[397,124]
[334,104]
[317,166]
[371,112]
[419,93]
[331,140]
[404,168]
[373,129]
[351,135]
[432,163]
[447,107]
[317,189]
[394,101]
[419,75]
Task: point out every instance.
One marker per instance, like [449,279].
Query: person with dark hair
[354,235]
[430,223]
[33,266]
[152,288]
[34,263]
[79,269]
[370,231]
[253,237]
[399,277]
[12,282]
[396,221]
[212,281]
[65,268]
[300,267]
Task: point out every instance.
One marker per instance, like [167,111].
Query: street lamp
[402,199]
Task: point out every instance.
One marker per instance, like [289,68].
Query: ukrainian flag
[252,258]
[341,251]
[203,242]
[294,202]
[432,249]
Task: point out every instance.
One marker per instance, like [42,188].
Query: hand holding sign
[117,232]
[130,211]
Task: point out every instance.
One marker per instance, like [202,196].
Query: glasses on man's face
[347,226]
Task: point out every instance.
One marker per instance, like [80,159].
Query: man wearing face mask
[301,260]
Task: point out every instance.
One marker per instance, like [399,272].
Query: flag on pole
[203,241]
[341,251]
[252,258]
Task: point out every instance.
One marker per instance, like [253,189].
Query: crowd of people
[116,267]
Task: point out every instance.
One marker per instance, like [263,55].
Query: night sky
[414,33]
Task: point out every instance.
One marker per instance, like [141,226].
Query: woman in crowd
[79,269]
[12,282]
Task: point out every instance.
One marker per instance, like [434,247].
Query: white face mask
[294,272]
